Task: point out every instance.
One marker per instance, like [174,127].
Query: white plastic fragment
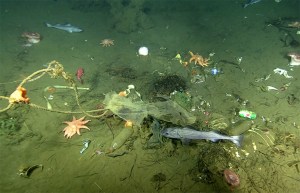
[282,72]
[271,88]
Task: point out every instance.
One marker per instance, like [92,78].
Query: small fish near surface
[79,74]
[191,134]
[66,27]
[250,2]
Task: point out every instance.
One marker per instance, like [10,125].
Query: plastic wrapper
[136,111]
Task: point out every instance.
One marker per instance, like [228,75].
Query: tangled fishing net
[54,70]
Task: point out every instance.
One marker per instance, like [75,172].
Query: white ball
[143,51]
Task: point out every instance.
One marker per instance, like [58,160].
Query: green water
[269,158]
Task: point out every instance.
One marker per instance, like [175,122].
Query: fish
[191,134]
[79,74]
[66,27]
[250,2]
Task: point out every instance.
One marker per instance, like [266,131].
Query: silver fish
[66,27]
[187,133]
[250,2]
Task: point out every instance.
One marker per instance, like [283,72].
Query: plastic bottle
[247,114]
[215,71]
[121,138]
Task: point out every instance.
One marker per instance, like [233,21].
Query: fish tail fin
[48,24]
[237,140]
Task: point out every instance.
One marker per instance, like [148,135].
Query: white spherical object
[143,51]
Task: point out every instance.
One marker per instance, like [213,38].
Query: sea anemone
[19,95]
[123,93]
[51,89]
[295,59]
[231,178]
[32,37]
[128,124]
